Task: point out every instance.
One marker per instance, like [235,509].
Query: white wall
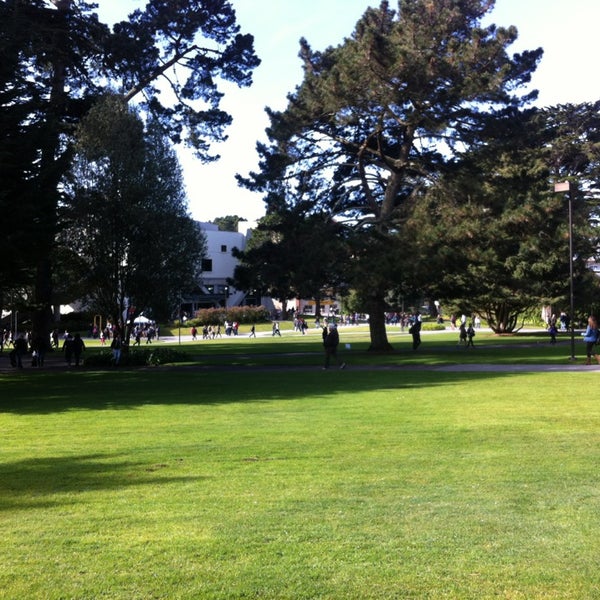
[219,247]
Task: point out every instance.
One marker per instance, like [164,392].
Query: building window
[223,248]
[207,265]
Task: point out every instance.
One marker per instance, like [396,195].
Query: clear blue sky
[567,30]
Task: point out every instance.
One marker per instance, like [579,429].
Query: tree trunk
[49,177]
[379,341]
[284,310]
[42,314]
[503,318]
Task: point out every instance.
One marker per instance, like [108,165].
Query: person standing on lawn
[331,341]
[590,337]
[78,348]
[116,346]
[415,330]
[20,350]
[470,335]
[68,348]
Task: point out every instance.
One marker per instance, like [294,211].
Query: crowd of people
[212,332]
[73,346]
[147,332]
[25,346]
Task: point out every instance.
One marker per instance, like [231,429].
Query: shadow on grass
[43,482]
[128,390]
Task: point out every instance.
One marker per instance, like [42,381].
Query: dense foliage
[58,60]
[378,118]
[239,314]
[137,357]
[125,214]
[492,232]
[294,253]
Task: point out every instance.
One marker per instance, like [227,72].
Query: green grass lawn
[298,483]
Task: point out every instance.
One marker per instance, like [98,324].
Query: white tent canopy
[142,320]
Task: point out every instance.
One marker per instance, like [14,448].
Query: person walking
[590,337]
[39,346]
[69,349]
[116,346]
[20,350]
[78,348]
[470,335]
[253,331]
[415,330]
[331,341]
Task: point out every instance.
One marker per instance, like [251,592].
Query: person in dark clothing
[20,351]
[331,340]
[39,346]
[78,348]
[415,331]
[116,346]
[69,348]
[470,335]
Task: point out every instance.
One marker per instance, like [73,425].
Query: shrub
[137,357]
[433,327]
[241,314]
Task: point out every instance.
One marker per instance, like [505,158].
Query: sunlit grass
[299,484]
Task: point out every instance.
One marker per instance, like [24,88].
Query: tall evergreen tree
[492,234]
[126,217]
[383,112]
[58,59]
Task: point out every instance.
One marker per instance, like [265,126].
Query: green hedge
[137,357]
[433,327]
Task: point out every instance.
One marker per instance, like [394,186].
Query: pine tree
[57,60]
[382,113]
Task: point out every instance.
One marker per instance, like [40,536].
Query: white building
[218,266]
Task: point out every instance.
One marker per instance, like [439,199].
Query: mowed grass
[284,483]
[438,348]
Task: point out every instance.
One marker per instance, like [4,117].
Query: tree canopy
[293,253]
[380,116]
[58,60]
[228,223]
[126,217]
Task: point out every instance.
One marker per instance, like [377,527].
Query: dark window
[207,265]
[223,248]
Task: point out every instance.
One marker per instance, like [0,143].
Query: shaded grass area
[299,484]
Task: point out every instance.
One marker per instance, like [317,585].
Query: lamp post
[565,186]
